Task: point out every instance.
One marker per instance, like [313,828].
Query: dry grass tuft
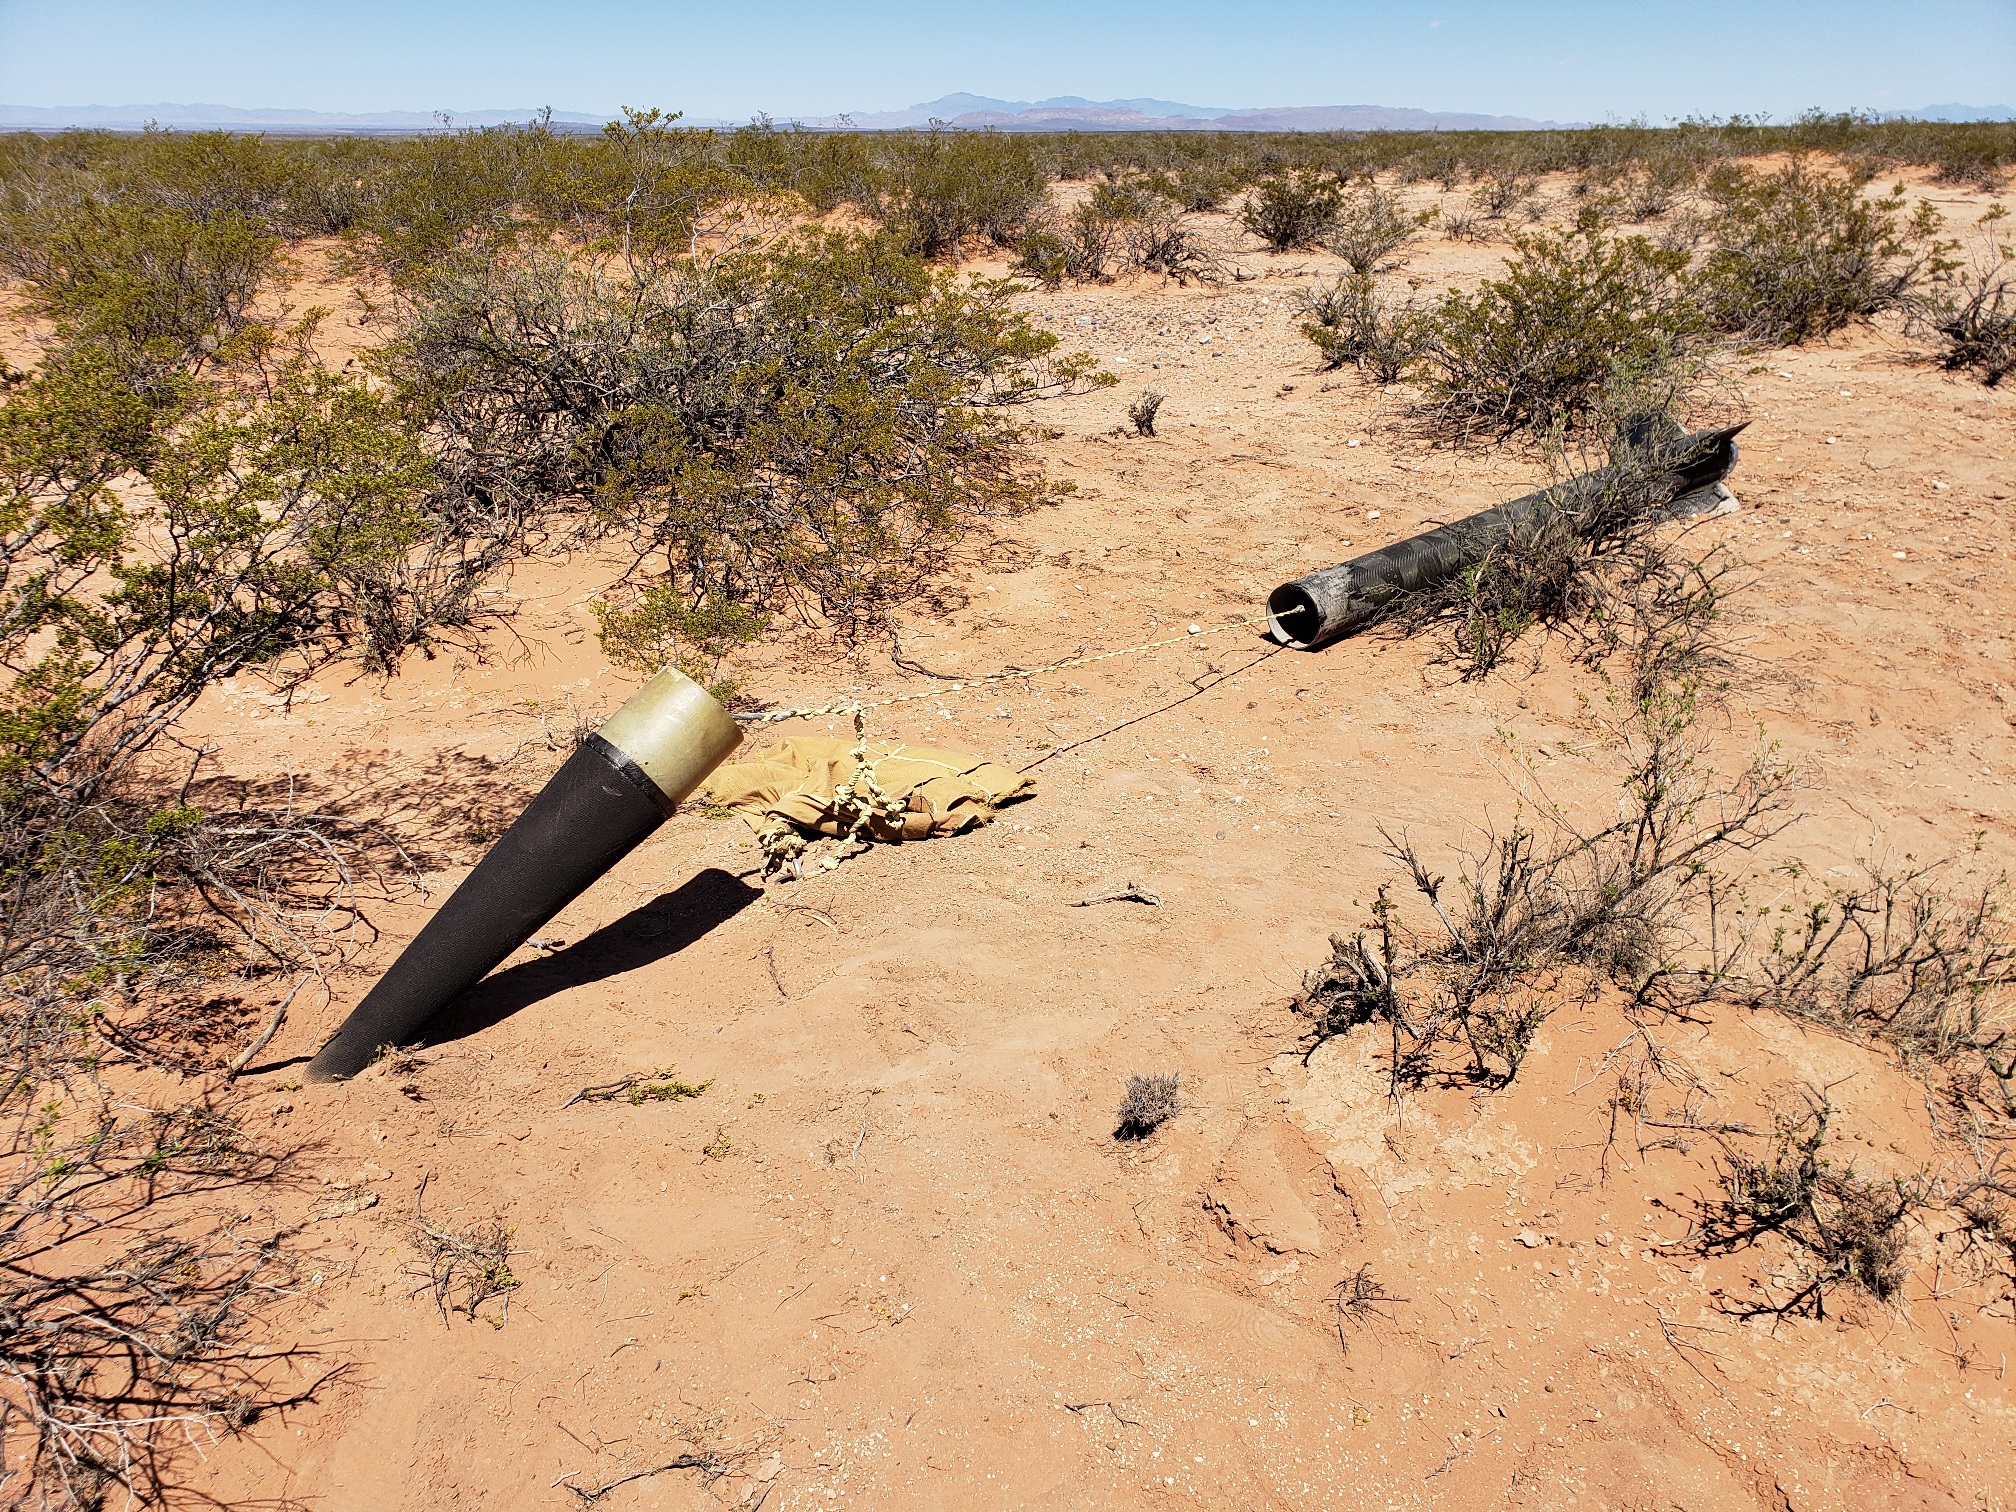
[1151,1101]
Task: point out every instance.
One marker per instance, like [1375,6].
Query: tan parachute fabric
[860,789]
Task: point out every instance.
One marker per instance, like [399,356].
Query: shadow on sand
[664,926]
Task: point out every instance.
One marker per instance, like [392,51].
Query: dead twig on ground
[1080,1407]
[1361,1298]
[1681,1346]
[710,1467]
[265,1035]
[477,1261]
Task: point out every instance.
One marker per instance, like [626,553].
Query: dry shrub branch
[186,497]
[1540,913]
[1970,306]
[1904,957]
[1604,561]
[464,1268]
[133,1289]
[1845,1229]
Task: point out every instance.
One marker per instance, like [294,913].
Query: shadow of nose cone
[612,793]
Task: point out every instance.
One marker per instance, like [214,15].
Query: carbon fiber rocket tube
[1315,610]
[612,793]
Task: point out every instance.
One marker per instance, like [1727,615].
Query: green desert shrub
[466,191]
[1083,244]
[658,626]
[155,291]
[1350,323]
[1970,307]
[1576,313]
[268,524]
[807,428]
[831,169]
[153,545]
[1502,188]
[1204,186]
[1127,227]
[1372,228]
[937,190]
[1798,254]
[1656,186]
[646,186]
[1293,209]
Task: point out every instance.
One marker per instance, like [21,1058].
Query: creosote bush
[157,294]
[1117,229]
[1970,307]
[805,429]
[1798,254]
[406,200]
[1465,223]
[660,628]
[939,189]
[186,496]
[1650,191]
[1576,313]
[1350,323]
[1501,190]
[1583,311]
[1296,209]
[1371,228]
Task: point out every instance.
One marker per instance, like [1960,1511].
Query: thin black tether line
[1177,703]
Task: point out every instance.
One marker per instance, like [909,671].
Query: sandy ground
[893,1256]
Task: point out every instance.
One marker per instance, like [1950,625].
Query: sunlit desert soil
[894,1257]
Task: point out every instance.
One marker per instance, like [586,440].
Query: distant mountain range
[964,111]
[1960,113]
[1072,113]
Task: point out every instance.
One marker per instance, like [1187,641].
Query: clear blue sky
[1572,59]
